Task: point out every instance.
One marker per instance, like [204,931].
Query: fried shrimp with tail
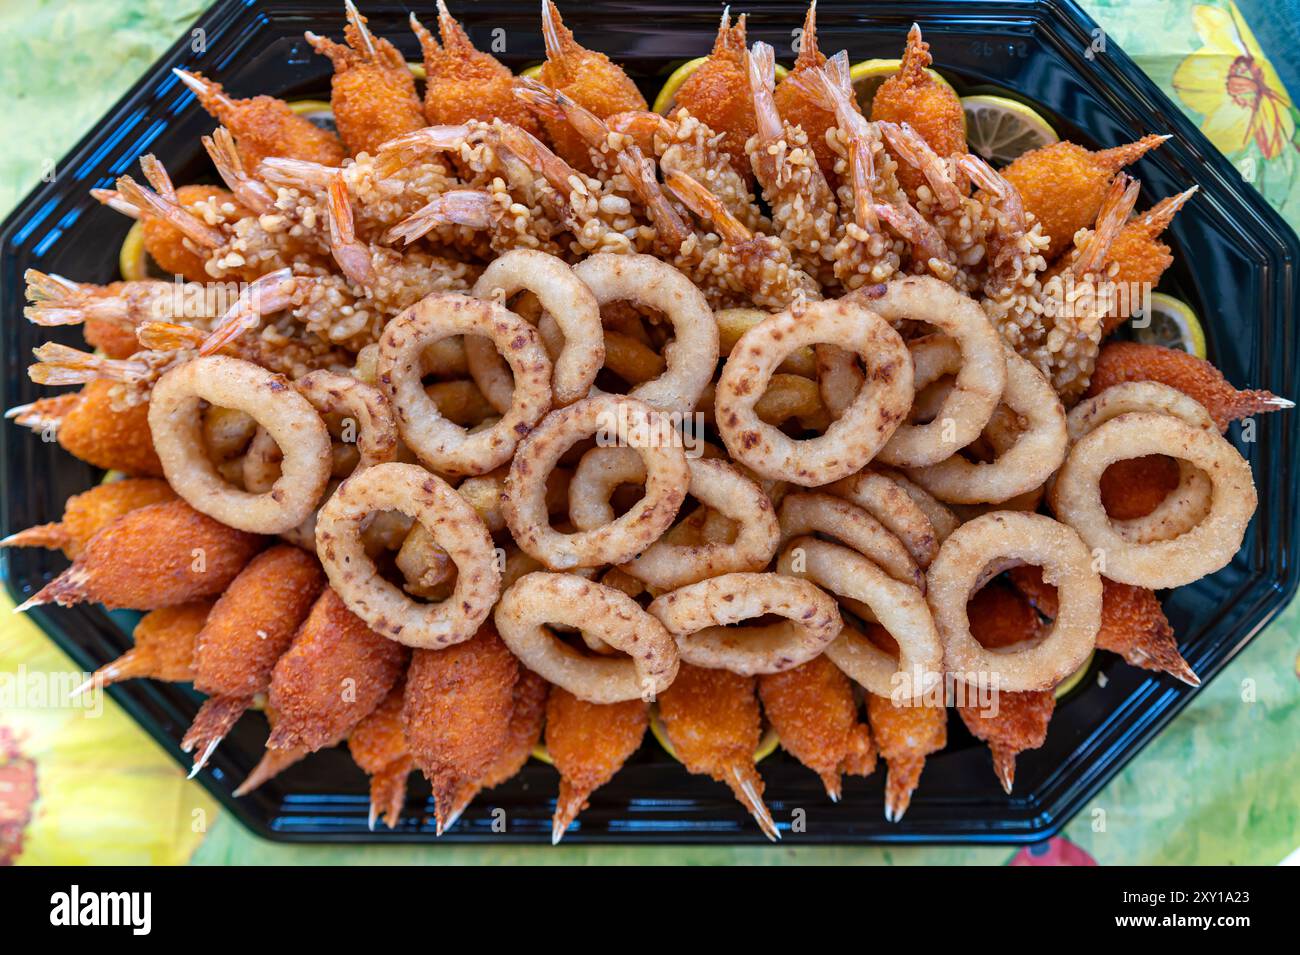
[522,734]
[249,629]
[1064,184]
[905,734]
[1016,721]
[587,77]
[1131,361]
[813,712]
[1133,624]
[334,674]
[160,555]
[589,743]
[378,746]
[717,93]
[372,93]
[89,426]
[914,96]
[713,720]
[1139,257]
[163,650]
[456,713]
[89,512]
[463,83]
[265,126]
[798,109]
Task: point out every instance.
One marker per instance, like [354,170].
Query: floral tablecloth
[1218,786]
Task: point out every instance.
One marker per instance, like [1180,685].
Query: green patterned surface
[1218,786]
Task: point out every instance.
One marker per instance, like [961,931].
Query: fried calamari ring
[1206,548]
[651,283]
[177,428]
[715,484]
[899,607]
[851,440]
[440,444]
[567,299]
[699,615]
[908,511]
[538,599]
[1010,538]
[454,527]
[374,429]
[980,369]
[1189,502]
[1026,465]
[811,512]
[627,421]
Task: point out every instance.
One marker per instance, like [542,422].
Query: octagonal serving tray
[1235,263]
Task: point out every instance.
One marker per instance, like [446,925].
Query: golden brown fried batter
[1064,185]
[378,746]
[905,735]
[1140,258]
[913,96]
[249,629]
[713,720]
[166,244]
[1196,377]
[812,709]
[718,94]
[372,93]
[90,428]
[797,109]
[156,556]
[1000,616]
[265,126]
[334,674]
[164,646]
[463,83]
[456,712]
[587,77]
[589,743]
[1135,487]
[89,512]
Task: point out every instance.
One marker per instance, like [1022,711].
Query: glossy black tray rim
[89,636]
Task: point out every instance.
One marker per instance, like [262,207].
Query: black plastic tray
[1236,264]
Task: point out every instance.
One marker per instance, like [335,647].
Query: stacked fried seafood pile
[542,416]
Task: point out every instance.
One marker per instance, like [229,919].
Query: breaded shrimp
[275,761]
[587,77]
[904,735]
[87,513]
[522,734]
[160,555]
[89,427]
[1064,184]
[249,629]
[372,93]
[378,746]
[1140,258]
[1131,361]
[456,713]
[589,743]
[717,93]
[713,721]
[336,671]
[163,648]
[1135,487]
[265,126]
[812,709]
[108,314]
[798,109]
[913,96]
[1133,624]
[1001,616]
[463,83]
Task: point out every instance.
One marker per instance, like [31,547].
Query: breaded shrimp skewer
[163,648]
[87,513]
[378,746]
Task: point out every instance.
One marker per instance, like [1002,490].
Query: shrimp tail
[747,786]
[572,800]
[168,210]
[1118,157]
[1004,764]
[272,764]
[464,207]
[53,299]
[215,718]
[1156,219]
[1115,211]
[762,86]
[901,780]
[58,364]
[388,794]
[271,293]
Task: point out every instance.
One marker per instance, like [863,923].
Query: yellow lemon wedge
[1000,129]
[132,259]
[1172,323]
[869,74]
[667,98]
[1075,678]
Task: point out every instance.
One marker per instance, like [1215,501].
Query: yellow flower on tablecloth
[1232,84]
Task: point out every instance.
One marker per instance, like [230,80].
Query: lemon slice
[1075,678]
[667,97]
[869,74]
[1000,129]
[1173,324]
[540,753]
[532,72]
[316,111]
[132,259]
[417,69]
